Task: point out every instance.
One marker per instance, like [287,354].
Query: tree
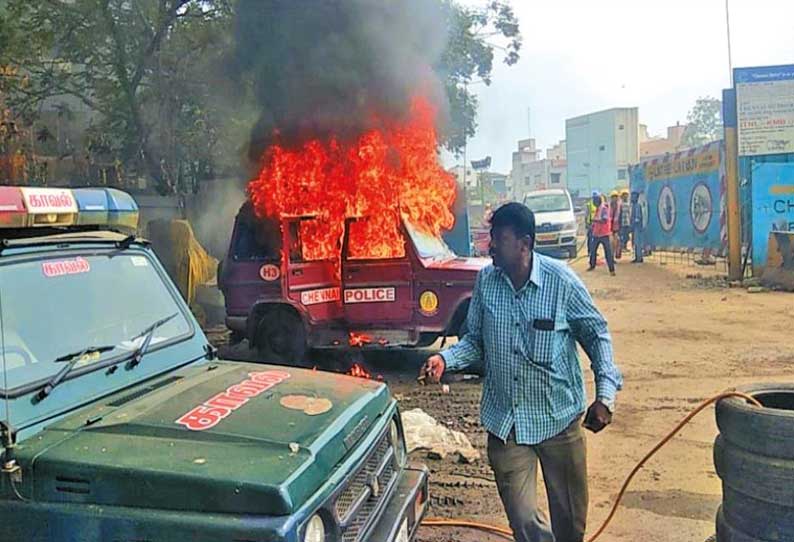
[475,33]
[704,122]
[152,75]
[121,60]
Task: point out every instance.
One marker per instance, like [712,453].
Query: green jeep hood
[257,458]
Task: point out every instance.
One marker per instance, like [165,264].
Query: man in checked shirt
[526,315]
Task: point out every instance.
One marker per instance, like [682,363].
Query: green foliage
[150,77]
[135,66]
[704,122]
[474,36]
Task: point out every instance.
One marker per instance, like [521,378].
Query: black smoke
[323,67]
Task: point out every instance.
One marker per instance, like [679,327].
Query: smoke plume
[323,67]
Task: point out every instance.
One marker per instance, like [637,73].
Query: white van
[555,222]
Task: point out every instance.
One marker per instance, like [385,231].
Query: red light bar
[12,208]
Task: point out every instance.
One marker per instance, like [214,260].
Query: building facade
[599,149]
[655,146]
[531,172]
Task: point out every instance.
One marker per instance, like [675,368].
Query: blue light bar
[122,209]
[92,206]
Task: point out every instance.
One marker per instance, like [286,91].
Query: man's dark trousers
[605,241]
[563,459]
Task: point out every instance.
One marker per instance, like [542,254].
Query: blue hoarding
[683,198]
[773,205]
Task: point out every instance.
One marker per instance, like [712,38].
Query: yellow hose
[507,533]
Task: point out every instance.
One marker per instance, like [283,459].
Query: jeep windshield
[55,305]
[429,246]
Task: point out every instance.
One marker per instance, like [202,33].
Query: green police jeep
[119,422]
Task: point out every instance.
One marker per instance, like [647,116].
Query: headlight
[315,530]
[397,442]
[569,226]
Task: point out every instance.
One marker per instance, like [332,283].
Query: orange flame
[359,371]
[359,339]
[383,175]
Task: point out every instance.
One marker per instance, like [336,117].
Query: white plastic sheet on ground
[423,432]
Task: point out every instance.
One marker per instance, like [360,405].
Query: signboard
[49,200]
[773,205]
[683,198]
[483,164]
[765,108]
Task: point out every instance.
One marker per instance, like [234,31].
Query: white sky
[581,56]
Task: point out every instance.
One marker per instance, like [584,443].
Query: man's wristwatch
[609,403]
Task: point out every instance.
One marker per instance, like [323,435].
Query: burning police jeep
[287,300]
[340,244]
[119,421]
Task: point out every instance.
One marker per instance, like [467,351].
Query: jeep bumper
[405,510]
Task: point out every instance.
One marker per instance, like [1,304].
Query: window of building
[620,127]
[621,174]
[555,178]
[601,148]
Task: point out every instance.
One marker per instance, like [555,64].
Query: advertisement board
[683,198]
[773,205]
[765,109]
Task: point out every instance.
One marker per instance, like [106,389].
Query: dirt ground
[681,335]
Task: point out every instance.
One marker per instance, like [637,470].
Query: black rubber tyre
[464,328]
[767,431]
[756,518]
[727,533]
[236,337]
[766,479]
[427,339]
[281,337]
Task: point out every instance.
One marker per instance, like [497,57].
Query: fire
[359,371]
[359,339]
[383,175]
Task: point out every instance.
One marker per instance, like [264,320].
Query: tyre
[236,337]
[767,431]
[757,519]
[281,337]
[427,339]
[726,533]
[766,479]
[572,253]
[464,328]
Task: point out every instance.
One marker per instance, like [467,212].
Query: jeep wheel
[281,337]
[572,252]
[427,339]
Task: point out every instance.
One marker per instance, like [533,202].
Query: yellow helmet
[614,194]
[624,192]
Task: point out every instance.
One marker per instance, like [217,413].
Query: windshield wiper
[71,360]
[147,335]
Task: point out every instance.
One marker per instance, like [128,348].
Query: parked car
[555,222]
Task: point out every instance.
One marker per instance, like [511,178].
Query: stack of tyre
[754,456]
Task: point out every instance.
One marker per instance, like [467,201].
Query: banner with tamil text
[683,196]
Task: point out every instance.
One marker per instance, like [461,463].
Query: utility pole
[732,184]
[728,26]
